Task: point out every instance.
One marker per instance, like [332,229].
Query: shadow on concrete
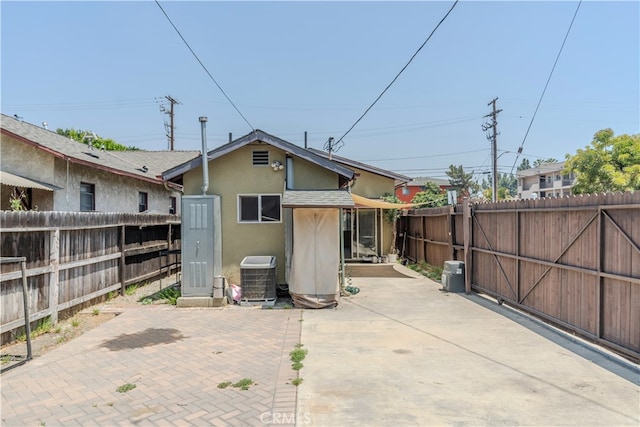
[146,338]
[589,351]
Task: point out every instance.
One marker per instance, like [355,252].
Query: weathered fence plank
[76,257]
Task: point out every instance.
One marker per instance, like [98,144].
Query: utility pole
[492,135]
[169,127]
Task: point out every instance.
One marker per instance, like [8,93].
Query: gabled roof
[139,164]
[261,136]
[362,166]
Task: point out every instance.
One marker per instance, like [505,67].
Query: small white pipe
[205,160]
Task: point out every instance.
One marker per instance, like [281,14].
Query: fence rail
[572,261]
[74,257]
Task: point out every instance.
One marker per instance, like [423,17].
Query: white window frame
[260,220]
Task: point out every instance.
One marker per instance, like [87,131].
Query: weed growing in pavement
[96,311]
[243,384]
[297,355]
[125,388]
[224,384]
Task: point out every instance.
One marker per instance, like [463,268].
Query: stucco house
[55,173]
[546,180]
[266,184]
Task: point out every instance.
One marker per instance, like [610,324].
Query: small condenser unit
[258,279]
[453,276]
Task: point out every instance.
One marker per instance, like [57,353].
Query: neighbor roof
[143,165]
[542,169]
[423,180]
[261,136]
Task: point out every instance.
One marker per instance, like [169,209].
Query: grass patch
[125,388]
[131,290]
[170,295]
[111,295]
[75,322]
[95,311]
[433,272]
[5,358]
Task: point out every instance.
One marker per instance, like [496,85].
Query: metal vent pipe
[205,159]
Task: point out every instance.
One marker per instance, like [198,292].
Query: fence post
[54,283]
[452,231]
[468,230]
[122,263]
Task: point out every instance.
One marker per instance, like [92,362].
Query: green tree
[85,136]
[524,165]
[540,162]
[507,186]
[610,163]
[431,196]
[462,182]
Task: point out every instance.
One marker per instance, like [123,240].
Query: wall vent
[261,158]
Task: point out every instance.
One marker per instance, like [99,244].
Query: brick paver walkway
[176,358]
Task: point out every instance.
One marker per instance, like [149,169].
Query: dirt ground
[83,321]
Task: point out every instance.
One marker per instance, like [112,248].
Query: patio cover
[7,178]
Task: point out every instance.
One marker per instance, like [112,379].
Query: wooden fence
[572,261]
[75,257]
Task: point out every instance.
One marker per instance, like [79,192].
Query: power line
[394,79]
[546,85]
[204,67]
[424,157]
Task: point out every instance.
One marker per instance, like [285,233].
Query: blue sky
[292,67]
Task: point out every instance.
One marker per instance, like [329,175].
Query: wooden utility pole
[170,128]
[492,136]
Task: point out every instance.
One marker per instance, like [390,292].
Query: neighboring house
[546,180]
[405,192]
[56,173]
[263,181]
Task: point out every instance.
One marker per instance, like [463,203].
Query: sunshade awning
[380,204]
[7,178]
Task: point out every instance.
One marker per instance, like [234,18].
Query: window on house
[259,208]
[405,191]
[261,158]
[87,197]
[142,202]
[172,205]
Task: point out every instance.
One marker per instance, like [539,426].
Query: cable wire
[204,67]
[546,85]
[396,77]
